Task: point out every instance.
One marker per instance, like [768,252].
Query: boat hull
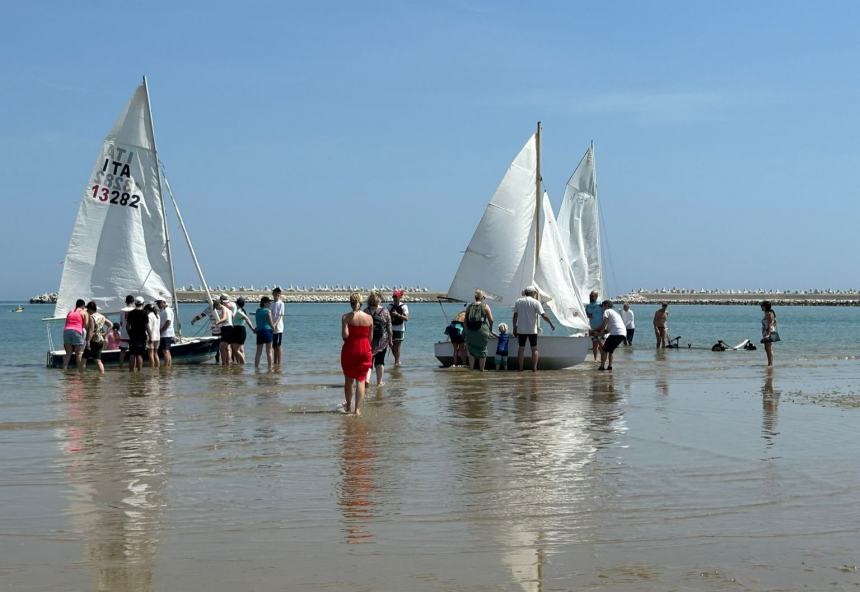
[187,351]
[556,352]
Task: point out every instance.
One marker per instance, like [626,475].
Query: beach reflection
[356,495]
[114,457]
[770,403]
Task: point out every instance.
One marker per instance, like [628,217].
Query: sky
[359,142]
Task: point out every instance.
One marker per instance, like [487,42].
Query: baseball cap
[138,300]
[224,298]
[398,293]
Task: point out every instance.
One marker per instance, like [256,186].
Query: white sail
[553,276]
[118,243]
[579,227]
[500,256]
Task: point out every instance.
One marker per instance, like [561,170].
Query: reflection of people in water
[356,493]
[114,461]
[769,404]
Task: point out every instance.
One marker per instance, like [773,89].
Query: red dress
[355,356]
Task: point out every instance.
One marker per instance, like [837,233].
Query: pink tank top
[74,321]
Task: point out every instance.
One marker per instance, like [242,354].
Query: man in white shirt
[168,331]
[614,324]
[629,323]
[277,325]
[527,311]
[399,315]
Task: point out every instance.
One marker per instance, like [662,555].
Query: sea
[682,469]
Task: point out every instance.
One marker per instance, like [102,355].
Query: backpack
[475,317]
[378,325]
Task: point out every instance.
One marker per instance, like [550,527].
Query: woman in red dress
[356,328]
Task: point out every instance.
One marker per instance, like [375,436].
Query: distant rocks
[46,298]
[745,297]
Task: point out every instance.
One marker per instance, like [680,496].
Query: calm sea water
[681,470]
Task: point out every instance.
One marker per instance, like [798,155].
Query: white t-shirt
[278,316]
[123,329]
[225,313]
[153,327]
[615,324]
[166,314]
[401,326]
[528,311]
[627,317]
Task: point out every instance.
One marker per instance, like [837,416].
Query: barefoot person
[95,337]
[277,325]
[240,333]
[399,315]
[661,326]
[479,327]
[769,334]
[595,317]
[137,321]
[629,323]
[263,316]
[73,335]
[154,335]
[356,357]
[614,324]
[381,333]
[527,312]
[123,328]
[166,330]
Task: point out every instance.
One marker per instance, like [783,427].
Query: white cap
[138,300]
[224,298]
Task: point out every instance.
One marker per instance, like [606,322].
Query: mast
[163,211]
[537,196]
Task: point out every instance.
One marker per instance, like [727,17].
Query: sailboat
[579,228]
[120,242]
[517,244]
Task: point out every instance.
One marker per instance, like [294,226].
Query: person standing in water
[661,325]
[95,337]
[137,322]
[277,325]
[595,317]
[381,333]
[479,327]
[166,330]
[399,315]
[527,312]
[614,324]
[73,335]
[769,334]
[629,323]
[240,333]
[123,328]
[263,316]
[356,355]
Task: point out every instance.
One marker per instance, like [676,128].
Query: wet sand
[680,470]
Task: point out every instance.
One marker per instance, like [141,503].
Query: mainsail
[118,244]
[500,256]
[579,227]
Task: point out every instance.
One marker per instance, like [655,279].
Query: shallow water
[680,470]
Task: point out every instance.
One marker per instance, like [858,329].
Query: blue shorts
[72,337]
[264,336]
[165,344]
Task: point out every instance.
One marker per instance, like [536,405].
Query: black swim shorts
[379,358]
[277,339]
[532,338]
[612,342]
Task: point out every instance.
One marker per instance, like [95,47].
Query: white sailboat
[120,242]
[517,244]
[579,228]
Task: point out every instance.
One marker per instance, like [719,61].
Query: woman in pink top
[73,334]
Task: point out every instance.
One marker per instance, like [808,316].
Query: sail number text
[105,194]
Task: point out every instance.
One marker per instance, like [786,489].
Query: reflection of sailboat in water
[120,242]
[515,245]
[114,458]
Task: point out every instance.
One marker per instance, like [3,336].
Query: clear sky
[358,142]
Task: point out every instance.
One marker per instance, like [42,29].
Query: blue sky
[358,142]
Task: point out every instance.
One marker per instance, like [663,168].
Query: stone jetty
[745,297]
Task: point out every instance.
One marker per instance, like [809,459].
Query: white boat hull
[556,352]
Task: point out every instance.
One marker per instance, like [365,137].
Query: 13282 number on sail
[102,193]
